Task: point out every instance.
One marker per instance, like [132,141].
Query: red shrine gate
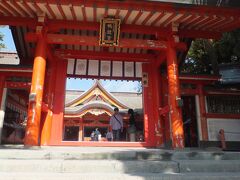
[150,32]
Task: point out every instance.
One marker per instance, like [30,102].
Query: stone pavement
[18,162]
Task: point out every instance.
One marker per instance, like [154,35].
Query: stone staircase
[117,163]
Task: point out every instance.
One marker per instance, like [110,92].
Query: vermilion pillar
[166,123]
[155,68]
[48,98]
[203,113]
[149,121]
[36,93]
[2,81]
[58,103]
[80,133]
[174,97]
[46,130]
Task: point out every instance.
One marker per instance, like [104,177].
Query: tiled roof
[131,100]
[72,95]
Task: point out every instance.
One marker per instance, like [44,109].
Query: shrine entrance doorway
[190,123]
[15,115]
[91,109]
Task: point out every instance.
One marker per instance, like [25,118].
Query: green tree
[228,48]
[197,60]
[1,40]
[139,87]
[204,55]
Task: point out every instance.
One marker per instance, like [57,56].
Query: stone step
[192,155]
[117,166]
[186,166]
[117,163]
[119,176]
[120,154]
[90,166]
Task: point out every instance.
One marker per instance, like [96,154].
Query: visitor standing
[92,136]
[109,136]
[132,126]
[97,135]
[116,123]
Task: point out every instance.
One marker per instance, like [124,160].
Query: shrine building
[86,111]
[141,41]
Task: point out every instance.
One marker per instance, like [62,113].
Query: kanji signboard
[109,32]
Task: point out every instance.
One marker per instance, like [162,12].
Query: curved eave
[86,93]
[82,96]
[90,105]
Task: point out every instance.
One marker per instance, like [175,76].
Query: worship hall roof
[97,98]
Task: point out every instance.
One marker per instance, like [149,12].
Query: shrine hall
[142,41]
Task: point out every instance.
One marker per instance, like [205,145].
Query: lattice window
[223,104]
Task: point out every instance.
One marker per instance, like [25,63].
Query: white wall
[2,111]
[198,116]
[230,126]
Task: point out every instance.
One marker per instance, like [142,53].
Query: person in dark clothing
[131,118]
[132,125]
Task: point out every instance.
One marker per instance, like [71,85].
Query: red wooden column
[202,107]
[48,98]
[80,132]
[155,68]
[2,82]
[165,117]
[174,96]
[36,93]
[149,121]
[58,102]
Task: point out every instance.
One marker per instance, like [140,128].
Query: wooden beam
[199,34]
[198,79]
[93,41]
[56,25]
[18,85]
[13,72]
[66,54]
[18,21]
[163,32]
[223,116]
[222,92]
[188,92]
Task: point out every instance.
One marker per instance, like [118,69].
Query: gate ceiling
[139,20]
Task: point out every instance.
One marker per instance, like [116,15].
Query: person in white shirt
[116,123]
[109,136]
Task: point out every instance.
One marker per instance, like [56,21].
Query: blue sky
[111,86]
[8,40]
[76,84]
